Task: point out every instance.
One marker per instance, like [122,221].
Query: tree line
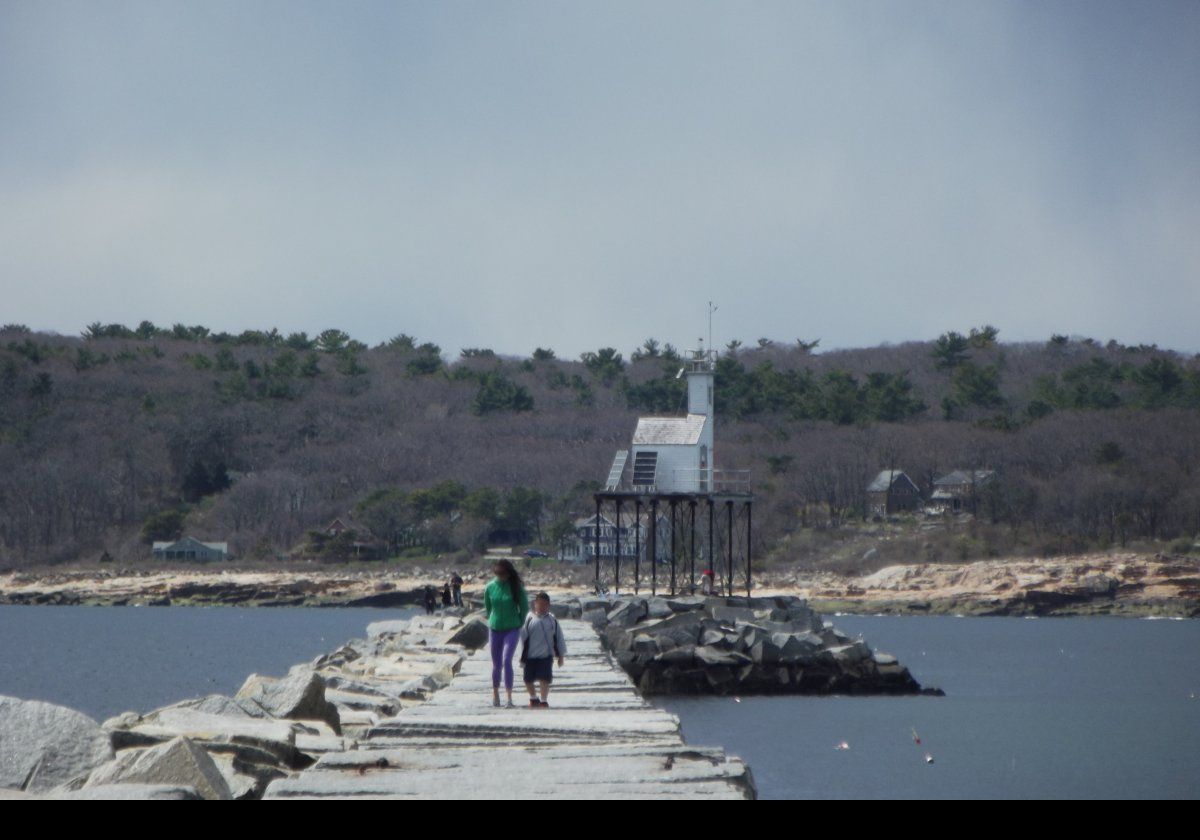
[262,437]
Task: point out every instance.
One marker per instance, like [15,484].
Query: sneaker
[509,705]
[534,702]
[496,702]
[542,704]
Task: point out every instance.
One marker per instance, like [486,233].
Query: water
[1081,708]
[107,660]
[1035,708]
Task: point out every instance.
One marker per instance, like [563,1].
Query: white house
[190,548]
[634,532]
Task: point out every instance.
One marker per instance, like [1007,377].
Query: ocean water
[1035,708]
[107,660]
[1075,707]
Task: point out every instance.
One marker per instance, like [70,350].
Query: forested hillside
[125,435]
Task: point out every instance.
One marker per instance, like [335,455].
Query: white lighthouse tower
[674,454]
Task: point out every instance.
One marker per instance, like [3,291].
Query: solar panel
[618,467]
[645,468]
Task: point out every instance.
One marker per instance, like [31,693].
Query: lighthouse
[674,454]
[668,476]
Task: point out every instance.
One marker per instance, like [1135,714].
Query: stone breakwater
[403,713]
[717,645]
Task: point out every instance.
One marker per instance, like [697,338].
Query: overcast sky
[575,175]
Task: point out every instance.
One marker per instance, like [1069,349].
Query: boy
[542,641]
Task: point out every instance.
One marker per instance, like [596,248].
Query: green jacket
[502,612]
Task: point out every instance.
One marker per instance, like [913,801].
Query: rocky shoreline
[1103,584]
[1132,585]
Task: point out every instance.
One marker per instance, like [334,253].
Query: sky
[577,175]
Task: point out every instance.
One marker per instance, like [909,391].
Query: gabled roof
[628,520]
[884,481]
[669,431]
[166,546]
[964,477]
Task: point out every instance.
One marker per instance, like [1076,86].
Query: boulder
[178,762]
[43,745]
[733,614]
[679,629]
[130,791]
[593,603]
[720,677]
[122,721]
[618,637]
[596,617]
[298,696]
[261,741]
[712,657]
[658,608]
[344,654]
[796,648]
[764,651]
[684,656]
[628,613]
[219,704]
[884,659]
[645,646]
[687,603]
[845,654]
[472,635]
[381,628]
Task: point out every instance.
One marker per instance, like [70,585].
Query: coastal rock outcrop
[43,745]
[717,645]
[177,762]
[298,696]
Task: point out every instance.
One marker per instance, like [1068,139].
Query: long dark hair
[514,579]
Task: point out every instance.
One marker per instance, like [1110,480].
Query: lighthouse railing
[710,481]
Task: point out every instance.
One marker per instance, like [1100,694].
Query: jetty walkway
[599,739]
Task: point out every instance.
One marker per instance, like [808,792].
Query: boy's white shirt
[543,638]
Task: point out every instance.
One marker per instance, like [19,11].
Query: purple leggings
[504,645]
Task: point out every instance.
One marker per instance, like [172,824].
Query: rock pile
[219,747]
[716,645]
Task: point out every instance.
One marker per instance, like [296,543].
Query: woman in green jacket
[506,605]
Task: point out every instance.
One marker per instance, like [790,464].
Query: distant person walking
[446,599]
[430,600]
[456,583]
[506,605]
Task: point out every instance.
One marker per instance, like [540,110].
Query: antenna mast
[711,310]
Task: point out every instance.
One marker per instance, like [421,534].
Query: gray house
[891,492]
[958,491]
[190,548]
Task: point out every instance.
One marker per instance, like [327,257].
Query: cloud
[526,175]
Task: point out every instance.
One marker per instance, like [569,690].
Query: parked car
[532,553]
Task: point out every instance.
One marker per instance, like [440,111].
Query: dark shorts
[539,669]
